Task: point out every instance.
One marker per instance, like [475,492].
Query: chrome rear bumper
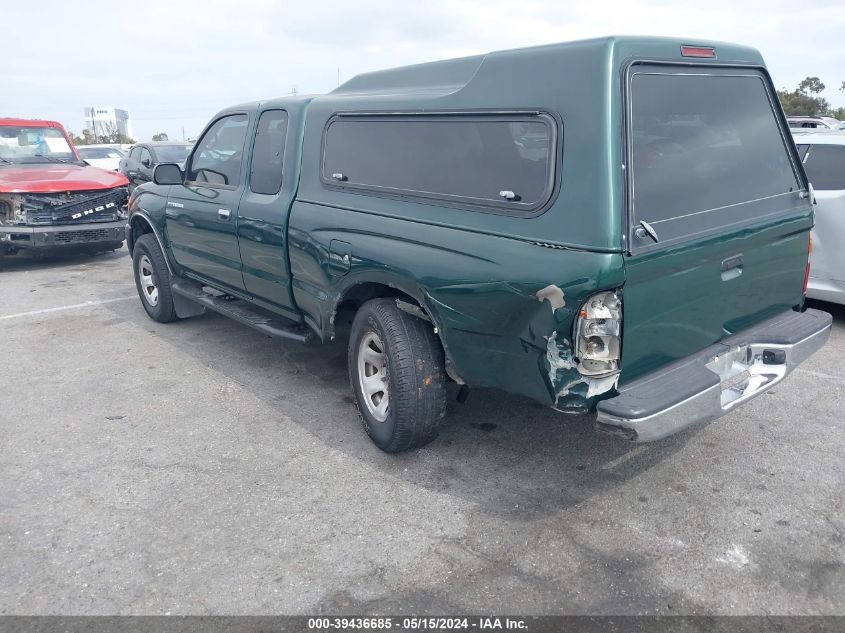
[709,384]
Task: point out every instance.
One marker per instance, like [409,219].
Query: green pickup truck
[618,225]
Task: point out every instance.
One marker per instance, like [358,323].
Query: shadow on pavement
[509,455]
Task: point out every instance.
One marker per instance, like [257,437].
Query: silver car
[815,123]
[823,155]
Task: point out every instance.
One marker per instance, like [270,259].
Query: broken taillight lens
[598,334]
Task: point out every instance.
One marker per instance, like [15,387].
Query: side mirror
[147,162]
[168,174]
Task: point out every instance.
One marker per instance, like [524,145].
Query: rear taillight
[598,335]
[807,274]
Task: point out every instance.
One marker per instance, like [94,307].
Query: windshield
[99,152]
[20,144]
[172,153]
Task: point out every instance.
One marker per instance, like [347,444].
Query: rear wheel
[152,279]
[396,368]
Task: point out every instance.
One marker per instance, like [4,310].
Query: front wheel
[396,368]
[152,279]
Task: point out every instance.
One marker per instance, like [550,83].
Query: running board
[244,312]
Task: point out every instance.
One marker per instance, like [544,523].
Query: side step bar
[244,312]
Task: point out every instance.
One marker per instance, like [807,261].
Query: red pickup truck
[50,199]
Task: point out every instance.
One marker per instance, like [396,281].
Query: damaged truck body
[619,225]
[50,199]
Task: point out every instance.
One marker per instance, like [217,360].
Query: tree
[804,100]
[161,136]
[109,133]
[838,113]
[811,86]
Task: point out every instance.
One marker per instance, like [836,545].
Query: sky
[173,64]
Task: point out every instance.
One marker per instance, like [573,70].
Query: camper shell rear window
[500,162]
[707,151]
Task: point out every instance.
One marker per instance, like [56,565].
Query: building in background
[107,121]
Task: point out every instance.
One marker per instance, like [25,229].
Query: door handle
[223,214]
[731,267]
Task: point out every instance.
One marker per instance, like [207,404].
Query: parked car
[638,247]
[49,198]
[102,156]
[816,122]
[139,164]
[823,155]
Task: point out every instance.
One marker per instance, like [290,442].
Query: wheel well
[140,226]
[357,295]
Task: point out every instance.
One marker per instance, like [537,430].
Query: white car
[823,155]
[102,156]
[815,123]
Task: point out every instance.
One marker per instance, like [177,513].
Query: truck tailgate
[719,213]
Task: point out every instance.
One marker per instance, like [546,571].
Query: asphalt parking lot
[200,467]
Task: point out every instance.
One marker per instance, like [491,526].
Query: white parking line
[60,308]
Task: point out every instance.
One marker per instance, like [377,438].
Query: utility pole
[338,75]
[294,89]
[93,125]
[183,132]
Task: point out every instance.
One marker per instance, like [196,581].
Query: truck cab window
[268,152]
[219,154]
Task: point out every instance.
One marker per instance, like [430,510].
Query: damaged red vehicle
[50,199]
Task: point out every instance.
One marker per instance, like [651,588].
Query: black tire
[146,251]
[415,376]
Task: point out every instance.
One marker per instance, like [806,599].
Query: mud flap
[184,307]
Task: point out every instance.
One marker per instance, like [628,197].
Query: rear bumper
[709,384]
[41,238]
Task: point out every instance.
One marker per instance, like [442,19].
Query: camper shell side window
[505,163]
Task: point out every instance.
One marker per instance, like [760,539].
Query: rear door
[201,217]
[145,167]
[263,213]
[130,167]
[825,167]
[719,221]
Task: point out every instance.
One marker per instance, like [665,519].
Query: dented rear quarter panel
[480,290]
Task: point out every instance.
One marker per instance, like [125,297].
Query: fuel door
[340,258]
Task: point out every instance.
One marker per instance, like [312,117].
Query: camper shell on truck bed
[569,221]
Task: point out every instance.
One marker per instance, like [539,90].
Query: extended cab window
[219,153]
[825,166]
[268,153]
[487,160]
[707,153]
